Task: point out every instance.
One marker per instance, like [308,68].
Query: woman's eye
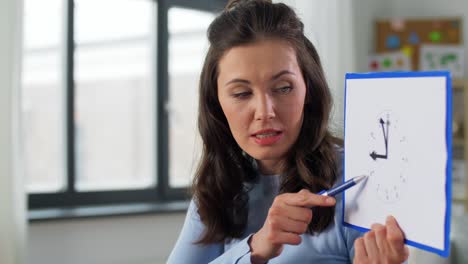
[241,95]
[284,90]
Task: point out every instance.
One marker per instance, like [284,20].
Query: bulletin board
[407,35]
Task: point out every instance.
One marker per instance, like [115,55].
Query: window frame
[162,192]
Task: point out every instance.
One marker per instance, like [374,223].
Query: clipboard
[398,131]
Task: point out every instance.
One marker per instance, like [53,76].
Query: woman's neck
[270,167]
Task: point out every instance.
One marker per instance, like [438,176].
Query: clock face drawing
[387,156]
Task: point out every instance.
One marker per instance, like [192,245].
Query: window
[42,96]
[109,99]
[114,95]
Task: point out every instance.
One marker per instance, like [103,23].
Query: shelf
[461,141]
[463,85]
[459,84]
[458,142]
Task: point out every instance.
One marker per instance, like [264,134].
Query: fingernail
[330,200]
[390,218]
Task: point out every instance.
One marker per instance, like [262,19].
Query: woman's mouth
[267,137]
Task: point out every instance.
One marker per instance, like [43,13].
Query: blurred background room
[98,107]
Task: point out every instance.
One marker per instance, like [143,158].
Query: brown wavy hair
[220,185]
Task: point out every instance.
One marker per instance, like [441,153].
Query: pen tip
[360,178]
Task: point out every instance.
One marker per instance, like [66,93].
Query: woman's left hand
[382,244]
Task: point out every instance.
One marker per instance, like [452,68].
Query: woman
[263,118]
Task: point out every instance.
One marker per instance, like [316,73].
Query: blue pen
[346,185]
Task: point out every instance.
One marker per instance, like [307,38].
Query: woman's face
[262,91]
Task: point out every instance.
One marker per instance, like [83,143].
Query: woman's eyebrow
[238,81]
[279,74]
[276,76]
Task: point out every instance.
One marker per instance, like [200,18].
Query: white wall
[12,199]
[115,240]
[435,8]
[365,12]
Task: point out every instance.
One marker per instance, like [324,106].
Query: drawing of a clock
[387,156]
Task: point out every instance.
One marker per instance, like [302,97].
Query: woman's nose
[264,108]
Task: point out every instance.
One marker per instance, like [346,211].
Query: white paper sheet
[409,182]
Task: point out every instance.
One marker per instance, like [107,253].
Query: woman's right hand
[289,217]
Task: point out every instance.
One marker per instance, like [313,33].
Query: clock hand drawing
[385,128]
[388,157]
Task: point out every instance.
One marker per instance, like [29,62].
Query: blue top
[333,245]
